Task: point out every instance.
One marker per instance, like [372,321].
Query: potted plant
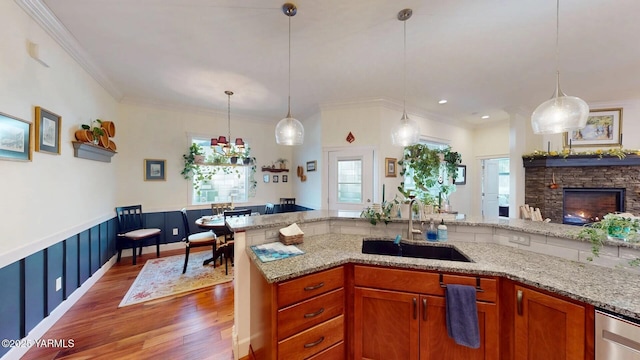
[621,227]
[282,163]
[247,159]
[96,131]
[190,164]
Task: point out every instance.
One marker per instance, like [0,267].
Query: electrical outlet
[58,283]
[522,240]
[175,231]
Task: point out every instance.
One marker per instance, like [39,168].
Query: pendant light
[222,141]
[407,132]
[289,130]
[561,113]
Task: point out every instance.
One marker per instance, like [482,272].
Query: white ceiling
[483,56]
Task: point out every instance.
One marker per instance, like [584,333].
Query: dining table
[217,224]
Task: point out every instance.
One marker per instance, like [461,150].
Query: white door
[350,179]
[490,185]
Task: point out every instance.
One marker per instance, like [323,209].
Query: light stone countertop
[612,289]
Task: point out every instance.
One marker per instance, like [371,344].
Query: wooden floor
[197,325]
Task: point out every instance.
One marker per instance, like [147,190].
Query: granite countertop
[612,289]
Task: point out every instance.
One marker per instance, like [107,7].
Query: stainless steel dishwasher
[616,338]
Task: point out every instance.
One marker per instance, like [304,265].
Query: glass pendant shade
[289,131]
[560,114]
[406,133]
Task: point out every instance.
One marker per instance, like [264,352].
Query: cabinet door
[385,324]
[547,328]
[435,344]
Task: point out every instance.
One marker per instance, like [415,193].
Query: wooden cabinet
[400,314]
[302,318]
[548,327]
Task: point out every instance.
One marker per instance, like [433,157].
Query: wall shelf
[580,161]
[92,152]
[276,170]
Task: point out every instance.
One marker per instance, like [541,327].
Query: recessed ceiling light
[443,101]
[485,116]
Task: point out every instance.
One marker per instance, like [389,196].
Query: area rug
[163,277]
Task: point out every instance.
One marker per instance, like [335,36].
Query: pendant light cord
[229,116]
[404,70]
[289,97]
[558,91]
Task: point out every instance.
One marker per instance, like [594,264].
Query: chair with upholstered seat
[131,231]
[227,248]
[269,208]
[193,240]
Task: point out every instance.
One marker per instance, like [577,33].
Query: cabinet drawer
[305,287]
[313,340]
[310,312]
[420,282]
[336,352]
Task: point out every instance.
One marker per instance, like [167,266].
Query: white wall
[54,196]
[310,192]
[153,132]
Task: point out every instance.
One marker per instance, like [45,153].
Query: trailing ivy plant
[613,227]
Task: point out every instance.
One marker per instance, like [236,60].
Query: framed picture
[47,133]
[154,170]
[604,128]
[16,142]
[265,178]
[275,178]
[461,175]
[390,165]
[311,165]
[285,178]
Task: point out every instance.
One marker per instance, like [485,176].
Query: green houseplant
[191,167]
[621,227]
[97,131]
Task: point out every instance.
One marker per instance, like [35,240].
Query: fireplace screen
[587,205]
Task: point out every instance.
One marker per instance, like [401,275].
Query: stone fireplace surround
[579,171]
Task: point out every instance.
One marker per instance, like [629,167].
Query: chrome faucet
[411,230]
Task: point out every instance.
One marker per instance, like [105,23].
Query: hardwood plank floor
[196,325]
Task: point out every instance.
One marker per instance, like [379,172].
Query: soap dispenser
[432,232]
[442,231]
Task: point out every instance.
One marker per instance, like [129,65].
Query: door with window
[350,179]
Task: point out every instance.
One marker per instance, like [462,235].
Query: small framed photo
[16,141]
[154,170]
[47,133]
[461,175]
[275,178]
[311,165]
[265,178]
[285,178]
[604,128]
[390,165]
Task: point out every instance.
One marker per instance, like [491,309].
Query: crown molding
[43,16]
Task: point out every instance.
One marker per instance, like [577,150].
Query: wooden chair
[219,208]
[269,208]
[193,240]
[227,248]
[131,230]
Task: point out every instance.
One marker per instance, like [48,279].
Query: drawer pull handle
[310,345]
[519,298]
[313,287]
[310,315]
[415,308]
[424,309]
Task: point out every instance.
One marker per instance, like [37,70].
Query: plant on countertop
[612,227]
[382,215]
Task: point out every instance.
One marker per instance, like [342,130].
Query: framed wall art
[265,178]
[275,179]
[461,175]
[154,170]
[47,135]
[285,178]
[604,128]
[311,165]
[16,141]
[390,166]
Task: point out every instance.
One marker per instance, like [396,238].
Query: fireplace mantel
[580,161]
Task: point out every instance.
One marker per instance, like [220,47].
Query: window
[350,181]
[221,182]
[409,184]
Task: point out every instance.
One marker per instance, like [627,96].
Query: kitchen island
[541,255]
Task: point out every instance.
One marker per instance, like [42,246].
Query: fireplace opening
[586,205]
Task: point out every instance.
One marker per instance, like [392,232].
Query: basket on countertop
[291,240]
[291,235]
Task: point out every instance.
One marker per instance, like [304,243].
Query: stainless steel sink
[424,251]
